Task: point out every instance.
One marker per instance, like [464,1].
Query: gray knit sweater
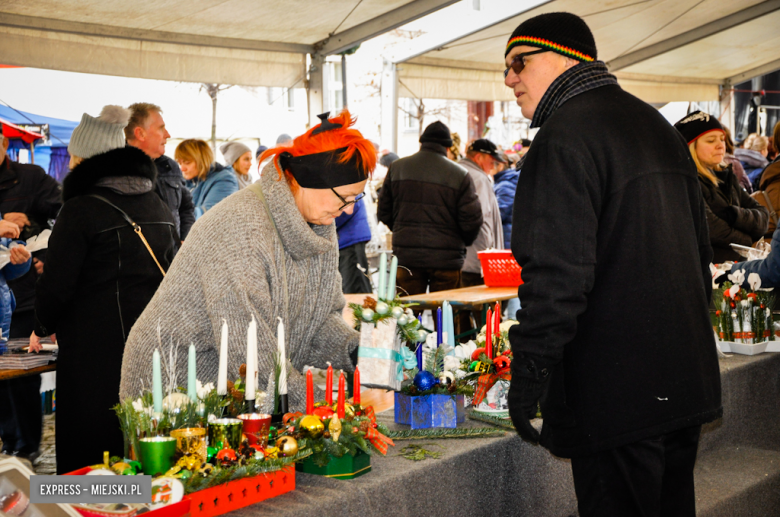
[230,267]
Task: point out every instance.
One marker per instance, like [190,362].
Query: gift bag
[379,355]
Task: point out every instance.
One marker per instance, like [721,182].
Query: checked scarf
[574,81]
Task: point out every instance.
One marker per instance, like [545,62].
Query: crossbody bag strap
[258,190]
[772,212]
[134,225]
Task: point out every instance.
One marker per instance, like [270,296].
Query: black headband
[322,170]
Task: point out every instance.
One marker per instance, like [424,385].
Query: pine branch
[439,433]
[490,419]
[416,452]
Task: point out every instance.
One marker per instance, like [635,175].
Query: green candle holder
[225,433]
[157,454]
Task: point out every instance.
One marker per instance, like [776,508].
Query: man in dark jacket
[623,361]
[431,206]
[29,198]
[146,131]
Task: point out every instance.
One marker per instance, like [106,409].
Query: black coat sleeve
[554,231]
[703,238]
[384,209]
[469,211]
[56,287]
[186,212]
[722,234]
[752,218]
[48,199]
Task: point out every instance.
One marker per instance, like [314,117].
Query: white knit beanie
[95,136]
[232,151]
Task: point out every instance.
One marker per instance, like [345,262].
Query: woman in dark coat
[99,277]
[733,216]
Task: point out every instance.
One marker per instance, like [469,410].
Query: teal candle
[380,292]
[451,325]
[156,382]
[192,375]
[445,322]
[391,281]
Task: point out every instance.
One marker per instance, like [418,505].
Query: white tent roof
[661,50]
[248,42]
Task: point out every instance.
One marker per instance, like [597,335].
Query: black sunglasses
[347,203]
[518,62]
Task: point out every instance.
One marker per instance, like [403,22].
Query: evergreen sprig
[490,419]
[441,433]
[416,452]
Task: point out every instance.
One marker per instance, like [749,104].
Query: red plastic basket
[500,268]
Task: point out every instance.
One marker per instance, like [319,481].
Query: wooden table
[478,297]
[13,374]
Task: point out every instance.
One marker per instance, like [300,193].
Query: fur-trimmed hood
[124,161]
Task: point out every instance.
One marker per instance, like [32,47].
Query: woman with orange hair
[269,252]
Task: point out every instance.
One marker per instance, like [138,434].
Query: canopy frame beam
[693,35]
[747,75]
[345,40]
[109,31]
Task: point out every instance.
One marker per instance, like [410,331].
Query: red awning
[11,130]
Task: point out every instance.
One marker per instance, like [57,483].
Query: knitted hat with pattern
[99,135]
[564,33]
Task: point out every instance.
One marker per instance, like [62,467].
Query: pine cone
[369,303]
[364,425]
[230,386]
[326,434]
[242,371]
[238,395]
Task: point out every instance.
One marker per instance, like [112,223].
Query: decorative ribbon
[485,382]
[410,358]
[368,411]
[385,353]
[378,440]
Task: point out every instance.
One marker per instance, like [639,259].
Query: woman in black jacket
[733,216]
[99,277]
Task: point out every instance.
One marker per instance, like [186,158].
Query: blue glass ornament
[424,381]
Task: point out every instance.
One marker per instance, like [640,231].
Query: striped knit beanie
[95,136]
[564,33]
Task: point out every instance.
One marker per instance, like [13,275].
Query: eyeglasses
[518,62]
[347,203]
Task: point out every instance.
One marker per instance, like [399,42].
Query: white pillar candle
[282,359]
[251,360]
[223,360]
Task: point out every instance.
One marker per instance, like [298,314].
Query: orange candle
[329,386]
[342,396]
[489,335]
[309,393]
[356,388]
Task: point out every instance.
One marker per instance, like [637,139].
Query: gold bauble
[190,462]
[349,410]
[335,428]
[272,453]
[288,446]
[311,426]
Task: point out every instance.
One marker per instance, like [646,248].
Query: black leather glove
[529,382]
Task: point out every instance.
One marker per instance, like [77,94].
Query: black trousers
[648,478]
[353,280]
[21,417]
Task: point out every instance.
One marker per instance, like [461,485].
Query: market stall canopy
[230,42]
[11,130]
[660,50]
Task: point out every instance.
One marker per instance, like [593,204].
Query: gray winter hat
[95,136]
[232,151]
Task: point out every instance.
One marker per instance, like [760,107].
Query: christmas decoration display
[385,325]
[744,322]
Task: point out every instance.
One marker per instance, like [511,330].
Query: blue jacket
[768,269]
[218,185]
[353,228]
[505,187]
[7,300]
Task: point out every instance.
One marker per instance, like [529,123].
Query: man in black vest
[623,361]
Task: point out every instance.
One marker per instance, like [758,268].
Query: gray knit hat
[232,151]
[95,136]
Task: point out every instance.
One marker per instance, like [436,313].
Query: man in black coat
[146,131]
[29,198]
[621,358]
[430,204]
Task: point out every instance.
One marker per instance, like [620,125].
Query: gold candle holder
[191,440]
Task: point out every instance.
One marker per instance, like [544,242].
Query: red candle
[356,388]
[329,386]
[309,393]
[342,396]
[489,335]
[497,316]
